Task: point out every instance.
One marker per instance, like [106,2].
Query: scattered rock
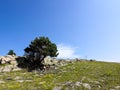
[28,80]
[96,82]
[42,82]
[24,81]
[99,86]
[2,82]
[16,69]
[17,78]
[20,81]
[57,88]
[112,89]
[69,83]
[41,74]
[9,68]
[9,63]
[86,85]
[50,61]
[8,59]
[78,83]
[117,87]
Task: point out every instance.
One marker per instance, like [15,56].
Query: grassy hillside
[84,75]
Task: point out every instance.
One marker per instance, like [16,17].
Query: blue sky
[80,28]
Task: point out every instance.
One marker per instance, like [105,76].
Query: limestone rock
[21,81]
[78,83]
[86,85]
[1,82]
[50,61]
[117,87]
[8,59]
[69,83]
[57,88]
[10,63]
[17,78]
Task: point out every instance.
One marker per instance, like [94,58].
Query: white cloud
[66,51]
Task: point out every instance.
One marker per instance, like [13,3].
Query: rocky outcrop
[14,63]
[8,59]
[56,62]
[8,63]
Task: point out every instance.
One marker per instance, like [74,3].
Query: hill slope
[84,75]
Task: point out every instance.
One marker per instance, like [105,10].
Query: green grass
[107,76]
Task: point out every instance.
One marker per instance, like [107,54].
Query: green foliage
[11,52]
[38,49]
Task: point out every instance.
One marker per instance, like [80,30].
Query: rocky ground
[67,75]
[8,63]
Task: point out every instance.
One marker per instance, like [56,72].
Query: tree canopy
[11,52]
[38,49]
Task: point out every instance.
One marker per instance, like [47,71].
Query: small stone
[2,82]
[17,69]
[99,86]
[86,85]
[117,87]
[69,83]
[96,82]
[112,89]
[78,83]
[41,74]
[17,78]
[57,88]
[42,82]
[20,81]
[28,80]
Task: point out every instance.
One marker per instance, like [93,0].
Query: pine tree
[38,49]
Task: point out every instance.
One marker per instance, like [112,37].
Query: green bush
[11,52]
